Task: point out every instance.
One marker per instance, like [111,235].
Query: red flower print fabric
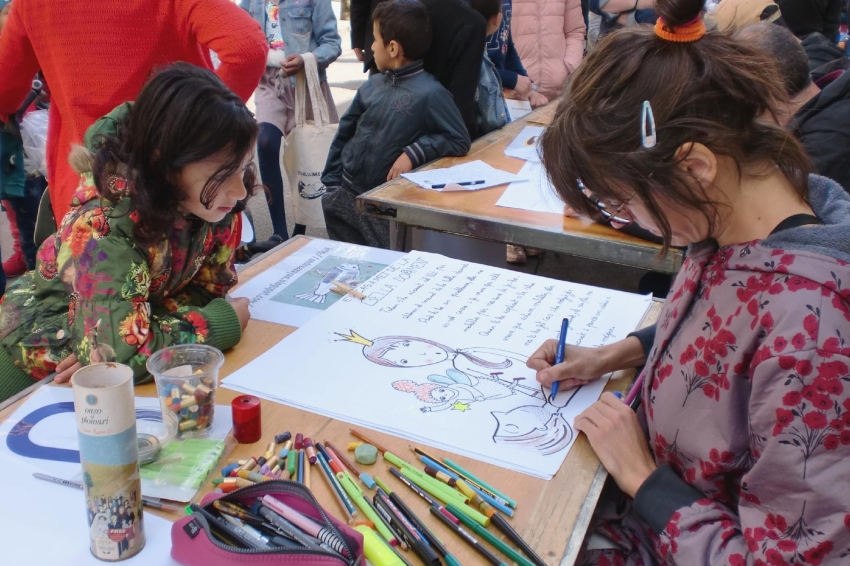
[747,398]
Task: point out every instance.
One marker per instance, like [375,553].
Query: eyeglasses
[612,212]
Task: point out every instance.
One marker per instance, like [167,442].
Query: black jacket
[456,49]
[807,16]
[823,125]
[824,56]
[405,110]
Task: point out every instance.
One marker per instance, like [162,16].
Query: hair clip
[648,138]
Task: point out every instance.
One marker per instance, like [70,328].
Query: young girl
[145,256]
[738,453]
[293,27]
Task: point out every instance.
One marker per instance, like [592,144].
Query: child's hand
[66,368]
[523,85]
[401,165]
[536,99]
[240,305]
[292,64]
[358,53]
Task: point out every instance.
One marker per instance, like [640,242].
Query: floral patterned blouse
[746,399]
[98,294]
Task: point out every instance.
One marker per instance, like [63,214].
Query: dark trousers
[26,212]
[268,154]
[345,225]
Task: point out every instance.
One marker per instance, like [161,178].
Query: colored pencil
[467,538]
[494,541]
[365,438]
[350,509]
[329,480]
[514,536]
[469,477]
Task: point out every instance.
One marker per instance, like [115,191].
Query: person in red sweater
[99,53]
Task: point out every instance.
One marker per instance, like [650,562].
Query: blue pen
[462,184]
[485,496]
[559,354]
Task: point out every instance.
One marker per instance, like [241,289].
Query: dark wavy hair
[183,115]
[716,91]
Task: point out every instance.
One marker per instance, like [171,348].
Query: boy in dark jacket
[399,119]
[454,57]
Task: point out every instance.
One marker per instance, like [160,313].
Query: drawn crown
[356,338]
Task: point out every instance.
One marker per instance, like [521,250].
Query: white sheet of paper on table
[439,346]
[524,146]
[518,109]
[536,194]
[52,440]
[298,288]
[465,172]
[45,523]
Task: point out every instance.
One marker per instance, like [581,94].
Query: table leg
[399,236]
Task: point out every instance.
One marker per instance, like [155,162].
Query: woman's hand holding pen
[583,365]
[619,441]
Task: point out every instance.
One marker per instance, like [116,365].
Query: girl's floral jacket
[98,294]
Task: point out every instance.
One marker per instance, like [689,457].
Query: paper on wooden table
[536,194]
[298,287]
[524,146]
[463,173]
[45,523]
[518,109]
[436,353]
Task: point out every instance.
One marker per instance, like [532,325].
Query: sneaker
[15,265]
[516,254]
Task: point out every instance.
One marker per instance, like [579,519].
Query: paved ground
[344,77]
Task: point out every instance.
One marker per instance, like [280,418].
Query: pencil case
[192,543]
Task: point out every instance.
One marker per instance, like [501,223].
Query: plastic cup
[186,378]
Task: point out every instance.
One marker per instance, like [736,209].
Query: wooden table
[553,516]
[475,214]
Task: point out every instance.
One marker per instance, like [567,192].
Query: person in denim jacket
[292,27]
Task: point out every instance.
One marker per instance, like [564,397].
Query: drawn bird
[346,273]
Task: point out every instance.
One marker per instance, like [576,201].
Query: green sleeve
[111,316]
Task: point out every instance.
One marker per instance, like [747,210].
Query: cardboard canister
[106,427]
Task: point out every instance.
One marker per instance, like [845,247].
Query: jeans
[268,154]
[26,212]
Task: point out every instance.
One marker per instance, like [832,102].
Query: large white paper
[436,353]
[536,194]
[470,172]
[45,523]
[518,108]
[299,287]
[42,433]
[524,146]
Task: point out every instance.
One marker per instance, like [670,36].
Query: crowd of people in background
[721,127]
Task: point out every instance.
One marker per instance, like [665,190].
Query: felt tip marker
[152,502]
[356,494]
[559,354]
[467,538]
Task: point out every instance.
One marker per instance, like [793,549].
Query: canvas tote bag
[307,147]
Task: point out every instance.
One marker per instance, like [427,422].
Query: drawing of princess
[535,428]
[475,363]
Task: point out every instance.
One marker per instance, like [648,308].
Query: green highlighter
[356,494]
[485,534]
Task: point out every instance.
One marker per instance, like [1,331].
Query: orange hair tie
[687,33]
